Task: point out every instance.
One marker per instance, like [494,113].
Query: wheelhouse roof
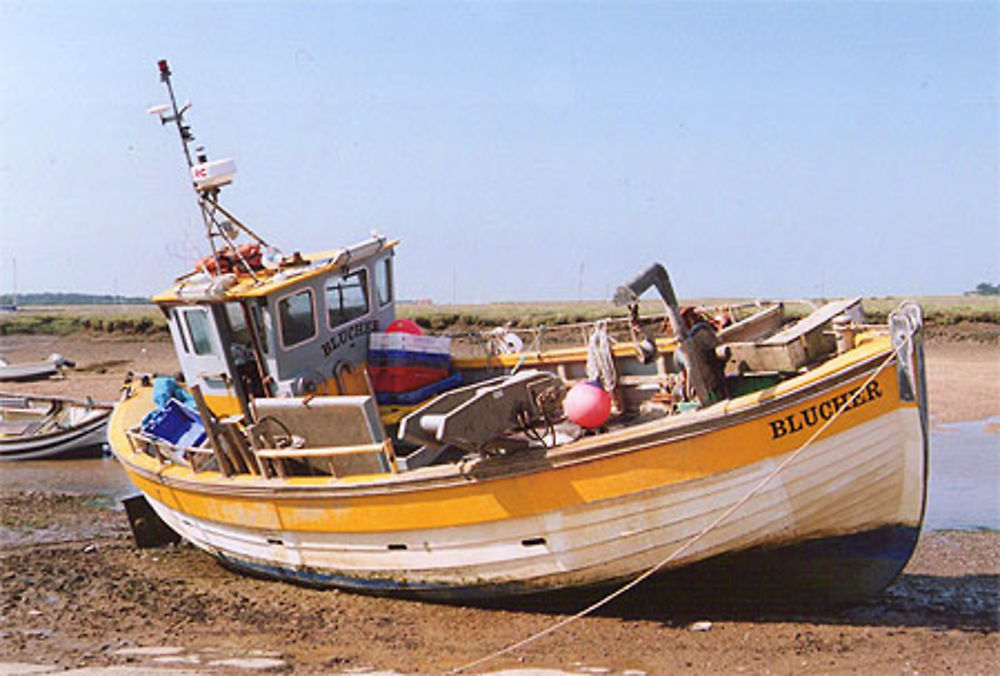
[198,287]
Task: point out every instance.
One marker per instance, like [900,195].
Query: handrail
[322,452]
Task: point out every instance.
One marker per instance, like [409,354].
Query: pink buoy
[404,326]
[587,404]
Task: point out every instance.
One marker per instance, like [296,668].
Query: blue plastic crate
[408,358]
[175,423]
[422,394]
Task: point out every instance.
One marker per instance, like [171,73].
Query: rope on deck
[687,545]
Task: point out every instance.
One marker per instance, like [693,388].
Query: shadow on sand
[966,603]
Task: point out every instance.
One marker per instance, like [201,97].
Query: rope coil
[600,358]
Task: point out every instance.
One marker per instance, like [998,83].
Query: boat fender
[404,326]
[511,342]
[588,404]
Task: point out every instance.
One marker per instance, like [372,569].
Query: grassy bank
[941,310]
[148,320]
[61,320]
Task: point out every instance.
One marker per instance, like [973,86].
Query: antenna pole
[208,196]
[183,130]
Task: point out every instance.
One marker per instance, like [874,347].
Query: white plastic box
[410,343]
[214,174]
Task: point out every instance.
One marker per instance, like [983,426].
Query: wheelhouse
[298,328]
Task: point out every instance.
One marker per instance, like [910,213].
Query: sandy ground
[963,375]
[75,593]
[99,602]
[101,362]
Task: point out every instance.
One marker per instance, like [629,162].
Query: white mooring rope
[600,358]
[705,531]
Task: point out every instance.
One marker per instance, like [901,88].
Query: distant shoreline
[963,364]
[145,318]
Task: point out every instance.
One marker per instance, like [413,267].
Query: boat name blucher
[808,417]
[349,334]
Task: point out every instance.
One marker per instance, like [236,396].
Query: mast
[183,130]
[208,178]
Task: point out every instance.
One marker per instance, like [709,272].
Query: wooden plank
[237,443]
[330,451]
[815,320]
[793,347]
[261,440]
[212,432]
[754,327]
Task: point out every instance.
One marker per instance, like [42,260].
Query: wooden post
[259,441]
[237,443]
[208,420]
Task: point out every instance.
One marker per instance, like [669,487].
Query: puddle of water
[100,476]
[964,482]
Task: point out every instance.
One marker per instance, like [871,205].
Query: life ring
[217,264]
[250,254]
[246,257]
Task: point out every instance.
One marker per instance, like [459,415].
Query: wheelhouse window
[241,344]
[200,330]
[347,298]
[298,321]
[383,281]
[258,314]
[176,317]
[237,323]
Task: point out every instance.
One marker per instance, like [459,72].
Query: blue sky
[521,151]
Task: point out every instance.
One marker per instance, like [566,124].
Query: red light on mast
[164,69]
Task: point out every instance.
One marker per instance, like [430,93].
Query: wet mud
[76,594]
[72,601]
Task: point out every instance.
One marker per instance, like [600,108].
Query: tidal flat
[77,595]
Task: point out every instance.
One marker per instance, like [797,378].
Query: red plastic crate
[404,378]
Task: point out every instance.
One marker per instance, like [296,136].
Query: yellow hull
[589,512]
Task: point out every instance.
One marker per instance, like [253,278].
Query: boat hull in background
[61,428]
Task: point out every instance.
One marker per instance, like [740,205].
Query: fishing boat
[720,451]
[37,427]
[38,370]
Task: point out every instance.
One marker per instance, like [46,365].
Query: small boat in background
[35,427]
[34,370]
